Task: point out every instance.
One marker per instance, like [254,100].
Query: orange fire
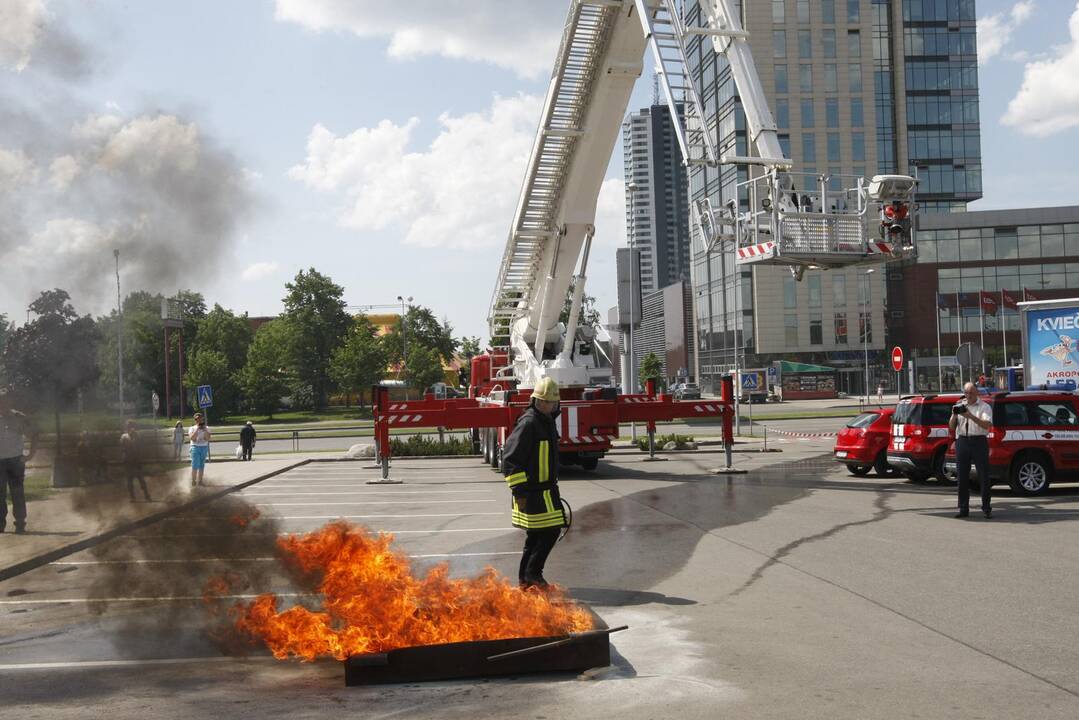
[242,520]
[372,602]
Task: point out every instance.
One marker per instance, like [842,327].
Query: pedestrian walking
[15,429]
[200,436]
[177,439]
[247,440]
[880,393]
[131,458]
[530,464]
[970,422]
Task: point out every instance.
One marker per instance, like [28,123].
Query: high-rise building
[657,206]
[857,88]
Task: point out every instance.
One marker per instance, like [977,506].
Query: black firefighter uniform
[530,464]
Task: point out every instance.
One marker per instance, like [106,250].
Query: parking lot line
[149,598]
[90,664]
[145,561]
[372,517]
[372,502]
[366,492]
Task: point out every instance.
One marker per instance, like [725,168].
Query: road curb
[45,558]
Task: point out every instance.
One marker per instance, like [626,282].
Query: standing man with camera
[970,422]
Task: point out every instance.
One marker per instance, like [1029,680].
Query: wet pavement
[794,590]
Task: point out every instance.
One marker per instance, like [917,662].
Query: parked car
[863,444]
[1034,441]
[687,391]
[920,435]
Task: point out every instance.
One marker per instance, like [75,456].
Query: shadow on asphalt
[612,597]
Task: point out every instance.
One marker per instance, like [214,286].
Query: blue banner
[1052,335]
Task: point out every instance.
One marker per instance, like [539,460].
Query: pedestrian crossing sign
[749,381]
[205,395]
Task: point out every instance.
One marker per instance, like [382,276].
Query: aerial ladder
[599,59]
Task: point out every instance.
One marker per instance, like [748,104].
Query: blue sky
[382,145]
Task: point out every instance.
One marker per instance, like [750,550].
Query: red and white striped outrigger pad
[877,247]
[760,251]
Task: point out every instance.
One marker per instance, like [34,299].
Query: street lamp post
[634,264]
[119,333]
[866,325]
[404,341]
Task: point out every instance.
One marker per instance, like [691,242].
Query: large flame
[372,602]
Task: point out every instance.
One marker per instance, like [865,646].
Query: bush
[423,445]
[661,440]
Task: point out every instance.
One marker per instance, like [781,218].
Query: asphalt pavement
[794,590]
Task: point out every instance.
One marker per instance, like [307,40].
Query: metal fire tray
[451,661]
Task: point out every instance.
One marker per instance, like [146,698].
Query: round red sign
[897,358]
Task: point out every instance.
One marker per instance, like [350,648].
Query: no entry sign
[897,358]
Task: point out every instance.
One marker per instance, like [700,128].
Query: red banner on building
[1008,300]
[1028,296]
[989,303]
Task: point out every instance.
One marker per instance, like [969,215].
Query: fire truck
[792,220]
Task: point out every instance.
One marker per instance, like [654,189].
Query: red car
[920,435]
[1034,441]
[863,444]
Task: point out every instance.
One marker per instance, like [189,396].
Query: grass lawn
[38,486]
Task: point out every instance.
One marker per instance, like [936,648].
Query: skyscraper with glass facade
[858,88]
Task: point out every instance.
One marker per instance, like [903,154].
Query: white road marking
[295,532]
[368,492]
[373,502]
[367,517]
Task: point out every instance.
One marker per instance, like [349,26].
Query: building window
[855,77]
[854,43]
[841,328]
[816,329]
[805,78]
[809,148]
[779,43]
[790,331]
[833,147]
[831,112]
[783,113]
[808,117]
[831,79]
[827,11]
[803,11]
[790,293]
[853,11]
[839,290]
[865,328]
[813,282]
[782,86]
[779,11]
[805,44]
[857,113]
[828,43]
[857,147]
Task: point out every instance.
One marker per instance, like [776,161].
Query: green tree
[420,329]
[651,369]
[264,379]
[210,367]
[589,316]
[227,333]
[423,368]
[361,361]
[5,329]
[317,322]
[470,348]
[52,358]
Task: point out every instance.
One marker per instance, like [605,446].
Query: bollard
[651,443]
[296,440]
[765,437]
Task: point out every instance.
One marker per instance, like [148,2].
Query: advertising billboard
[1051,342]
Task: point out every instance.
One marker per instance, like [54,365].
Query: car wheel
[859,470]
[496,454]
[1031,475]
[485,448]
[938,466]
[589,463]
[882,467]
[915,476]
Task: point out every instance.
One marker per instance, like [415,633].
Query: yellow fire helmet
[546,389]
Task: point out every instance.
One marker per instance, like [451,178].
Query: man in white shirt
[15,428]
[200,436]
[970,422]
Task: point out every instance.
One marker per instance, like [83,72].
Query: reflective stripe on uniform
[541,520]
[544,471]
[548,502]
[517,478]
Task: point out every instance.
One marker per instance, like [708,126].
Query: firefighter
[530,464]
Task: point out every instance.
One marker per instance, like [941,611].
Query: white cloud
[995,31]
[461,191]
[1048,99]
[16,169]
[62,171]
[517,34]
[21,24]
[259,270]
[147,144]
